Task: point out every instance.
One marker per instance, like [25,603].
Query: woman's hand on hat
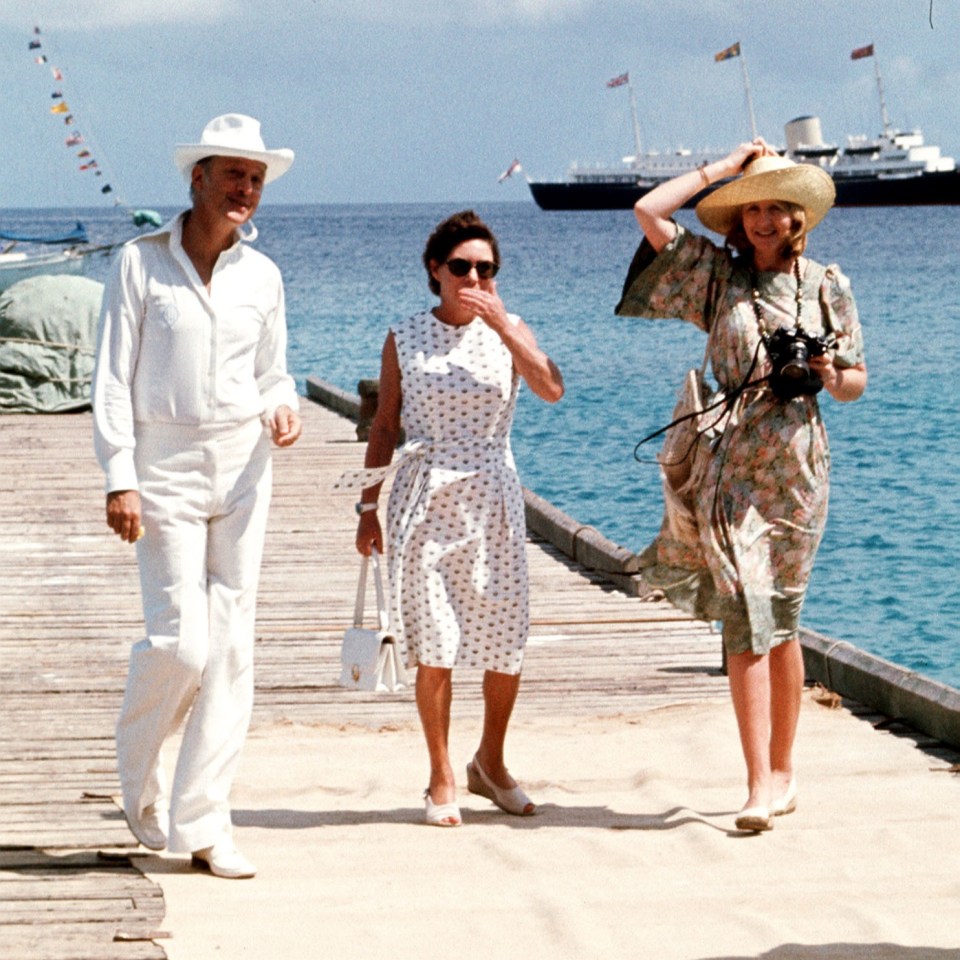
[740,156]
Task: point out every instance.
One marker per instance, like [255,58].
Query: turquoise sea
[886,577]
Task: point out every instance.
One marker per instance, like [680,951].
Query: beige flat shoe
[787,803]
[149,827]
[754,819]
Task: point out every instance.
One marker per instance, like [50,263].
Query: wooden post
[369,391]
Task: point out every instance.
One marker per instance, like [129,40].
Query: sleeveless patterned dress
[456,529]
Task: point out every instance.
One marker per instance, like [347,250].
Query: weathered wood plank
[73,906]
[55,884]
[67,909]
[75,941]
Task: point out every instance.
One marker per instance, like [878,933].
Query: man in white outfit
[190,387]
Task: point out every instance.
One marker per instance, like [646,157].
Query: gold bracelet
[702,170]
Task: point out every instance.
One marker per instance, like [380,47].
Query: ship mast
[636,122]
[885,120]
[746,90]
[737,51]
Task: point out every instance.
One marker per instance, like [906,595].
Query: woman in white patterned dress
[455,517]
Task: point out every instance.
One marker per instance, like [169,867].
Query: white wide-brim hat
[769,178]
[232,135]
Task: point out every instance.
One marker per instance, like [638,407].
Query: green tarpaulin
[48,331]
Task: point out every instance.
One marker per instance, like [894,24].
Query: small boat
[16,265]
[896,168]
[77,235]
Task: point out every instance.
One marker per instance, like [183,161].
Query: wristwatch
[362,507]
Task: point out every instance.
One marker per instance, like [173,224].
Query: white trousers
[205,493]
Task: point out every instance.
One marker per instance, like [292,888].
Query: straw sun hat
[233,135]
[769,178]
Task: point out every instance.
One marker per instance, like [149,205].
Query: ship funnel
[803,132]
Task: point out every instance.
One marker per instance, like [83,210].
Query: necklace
[755,296]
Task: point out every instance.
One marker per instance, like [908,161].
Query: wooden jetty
[69,609]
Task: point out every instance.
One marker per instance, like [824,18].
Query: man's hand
[123,514]
[285,426]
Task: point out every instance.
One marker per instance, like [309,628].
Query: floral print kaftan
[761,504]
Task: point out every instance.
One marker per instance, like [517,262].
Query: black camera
[790,348]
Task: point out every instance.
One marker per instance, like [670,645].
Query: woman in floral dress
[760,501]
[456,531]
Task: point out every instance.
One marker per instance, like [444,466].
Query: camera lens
[795,367]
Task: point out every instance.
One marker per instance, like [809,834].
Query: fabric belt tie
[447,460]
[437,464]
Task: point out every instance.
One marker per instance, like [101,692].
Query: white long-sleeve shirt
[169,351]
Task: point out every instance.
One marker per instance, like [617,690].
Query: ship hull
[928,189]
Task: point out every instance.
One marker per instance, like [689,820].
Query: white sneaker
[150,827]
[223,859]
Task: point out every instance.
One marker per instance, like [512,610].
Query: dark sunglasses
[486,269]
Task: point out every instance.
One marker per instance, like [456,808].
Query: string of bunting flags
[61,109]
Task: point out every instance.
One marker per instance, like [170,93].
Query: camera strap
[725,402]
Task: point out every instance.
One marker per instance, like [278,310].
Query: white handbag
[370,659]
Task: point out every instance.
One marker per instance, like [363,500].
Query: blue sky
[429,100]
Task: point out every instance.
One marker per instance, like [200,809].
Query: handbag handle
[362,591]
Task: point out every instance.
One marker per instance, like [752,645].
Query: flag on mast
[624,78]
[731,51]
[510,171]
[862,52]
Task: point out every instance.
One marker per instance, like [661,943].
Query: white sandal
[441,814]
[512,800]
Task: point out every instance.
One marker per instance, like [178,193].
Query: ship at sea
[895,168]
